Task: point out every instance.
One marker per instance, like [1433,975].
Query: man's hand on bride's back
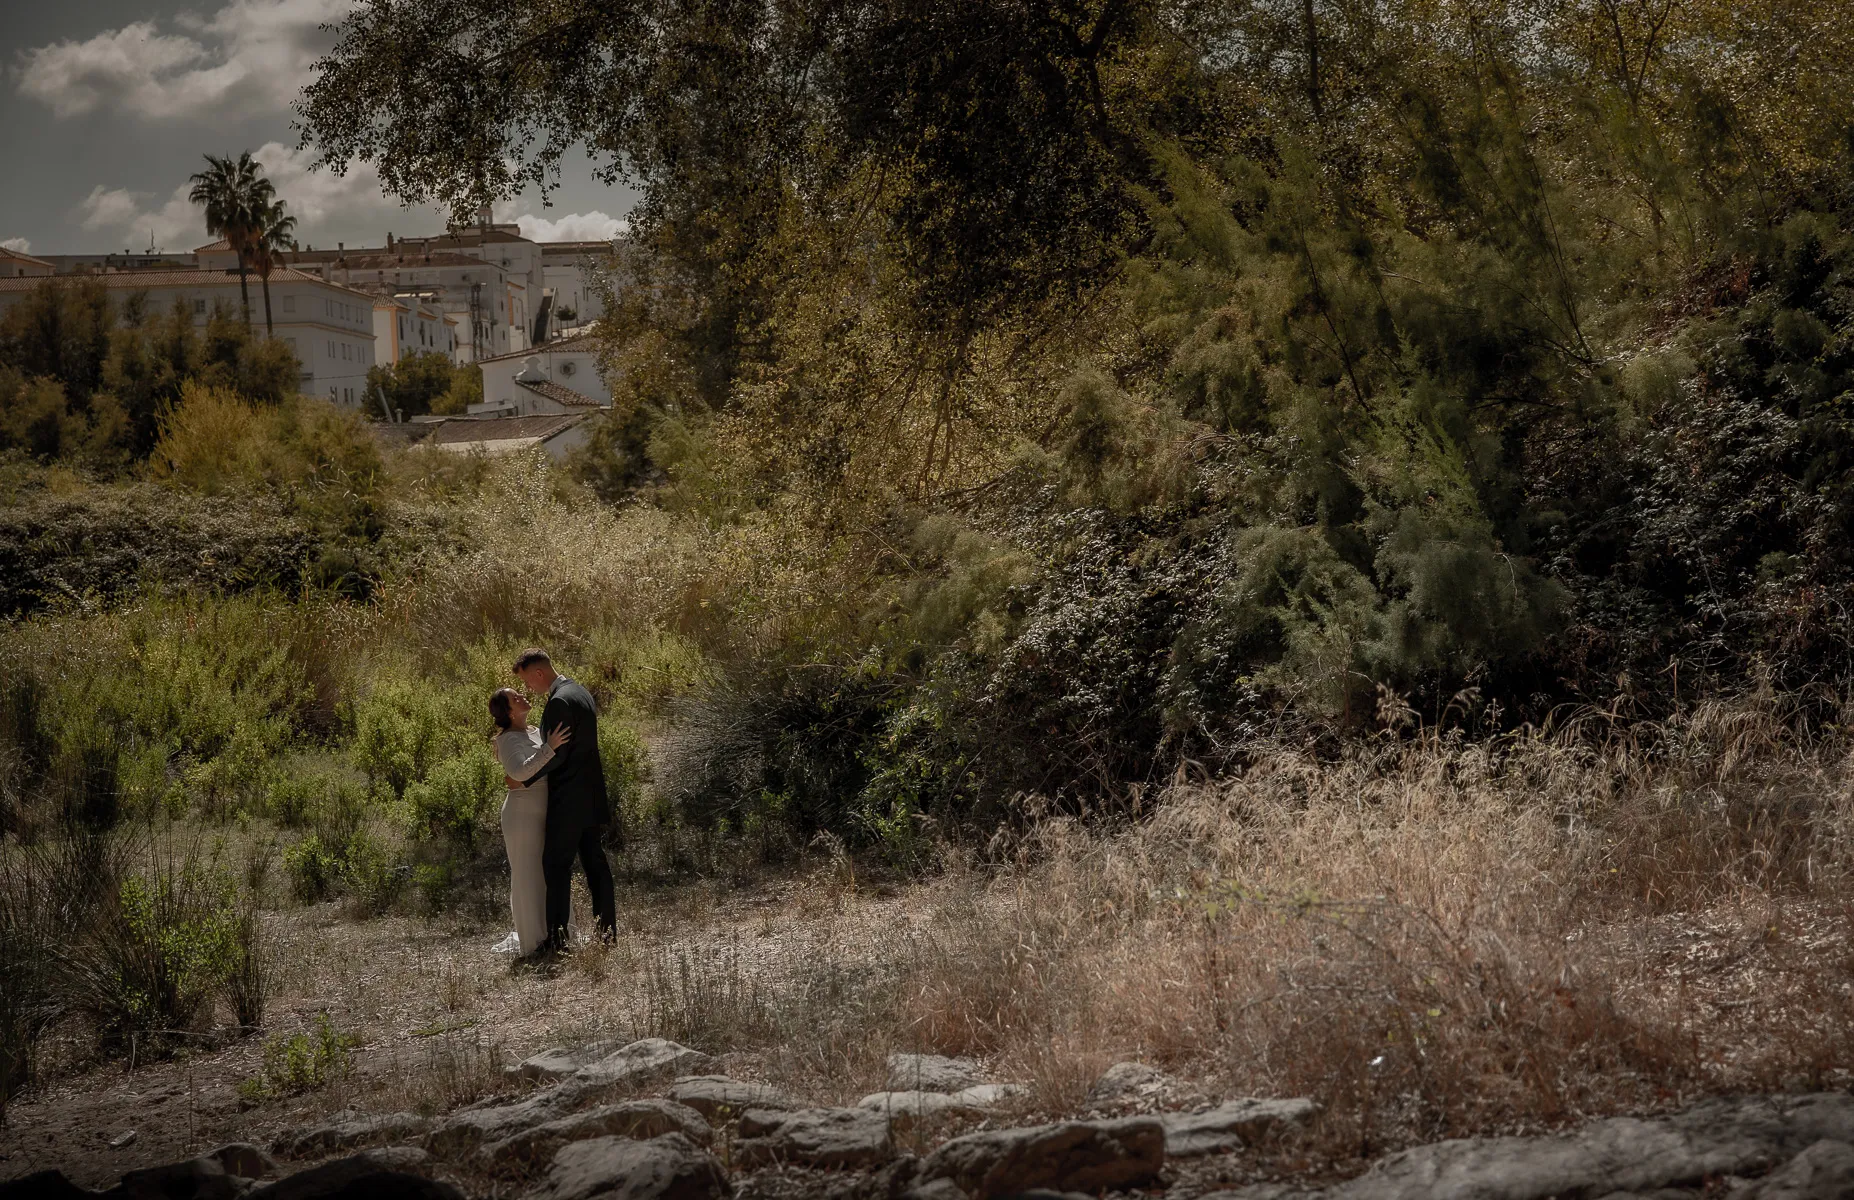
[559,737]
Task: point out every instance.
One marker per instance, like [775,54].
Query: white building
[412,323]
[17,265]
[561,376]
[488,304]
[329,327]
[557,435]
[569,278]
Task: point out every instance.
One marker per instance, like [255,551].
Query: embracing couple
[557,809]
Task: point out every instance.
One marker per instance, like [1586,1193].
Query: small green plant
[152,964]
[302,1062]
[454,801]
[352,863]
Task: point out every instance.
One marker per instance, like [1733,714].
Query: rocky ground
[655,1120]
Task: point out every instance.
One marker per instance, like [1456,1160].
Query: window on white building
[199,308]
[289,304]
[331,347]
[347,352]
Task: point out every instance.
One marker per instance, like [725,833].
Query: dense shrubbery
[1384,366]
[84,380]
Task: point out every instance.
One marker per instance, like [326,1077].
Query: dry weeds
[1431,938]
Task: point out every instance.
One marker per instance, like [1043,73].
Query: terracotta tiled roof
[466,431]
[209,247]
[22,256]
[172,277]
[559,394]
[579,343]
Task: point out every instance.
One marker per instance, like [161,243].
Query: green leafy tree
[420,383]
[236,197]
[273,233]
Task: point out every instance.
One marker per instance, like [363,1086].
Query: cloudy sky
[106,107]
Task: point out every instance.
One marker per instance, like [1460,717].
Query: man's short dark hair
[532,658]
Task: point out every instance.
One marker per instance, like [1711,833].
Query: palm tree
[274,233]
[235,194]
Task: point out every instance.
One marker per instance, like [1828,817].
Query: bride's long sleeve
[521,758]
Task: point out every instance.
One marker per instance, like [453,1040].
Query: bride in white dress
[524,814]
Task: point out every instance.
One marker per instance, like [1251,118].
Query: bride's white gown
[524,829]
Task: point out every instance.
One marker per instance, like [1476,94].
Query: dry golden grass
[1432,939]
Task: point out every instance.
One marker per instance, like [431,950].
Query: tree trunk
[269,329]
[244,290]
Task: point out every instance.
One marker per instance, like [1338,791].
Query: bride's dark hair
[499,709]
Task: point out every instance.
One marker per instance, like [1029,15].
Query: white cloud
[593,226]
[250,56]
[175,225]
[18,244]
[318,199]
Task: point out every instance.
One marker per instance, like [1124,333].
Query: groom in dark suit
[577,807]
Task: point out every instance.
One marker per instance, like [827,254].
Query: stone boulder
[43,1185]
[906,1109]
[1825,1171]
[463,1132]
[1743,1137]
[624,1070]
[557,1062]
[646,1061]
[347,1130]
[1126,1082]
[635,1119]
[722,1099]
[359,1177]
[241,1158]
[931,1073]
[670,1167]
[1230,1126]
[194,1179]
[815,1137]
[1080,1156]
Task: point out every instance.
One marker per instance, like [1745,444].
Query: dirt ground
[439,1014]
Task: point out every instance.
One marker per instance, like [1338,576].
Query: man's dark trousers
[577,812]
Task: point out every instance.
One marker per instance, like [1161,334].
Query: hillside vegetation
[1347,504]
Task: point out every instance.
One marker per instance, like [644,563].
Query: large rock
[359,1177]
[817,1137]
[1825,1171]
[462,1132]
[624,1070]
[194,1179]
[1622,1154]
[43,1185]
[347,1130]
[557,1062]
[636,1119]
[931,1073]
[670,1167]
[906,1109]
[647,1061]
[1082,1156]
[241,1158]
[721,1099]
[1129,1081]
[1229,1126]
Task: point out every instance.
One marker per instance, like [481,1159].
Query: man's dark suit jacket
[576,777]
